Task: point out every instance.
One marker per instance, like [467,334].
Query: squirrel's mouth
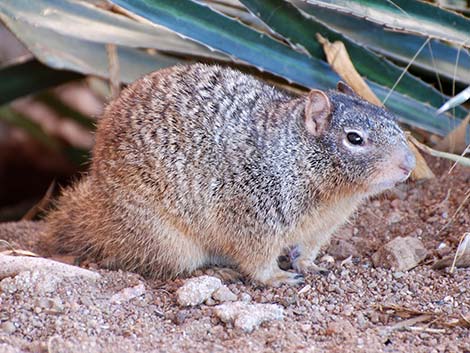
[381,184]
[405,174]
[394,170]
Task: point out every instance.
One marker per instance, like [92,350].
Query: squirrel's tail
[67,224]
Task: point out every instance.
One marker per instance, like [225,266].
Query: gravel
[356,307]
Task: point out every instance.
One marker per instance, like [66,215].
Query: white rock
[246,316]
[197,290]
[394,217]
[400,254]
[441,246]
[245,297]
[328,258]
[224,294]
[8,327]
[128,293]
[305,289]
[37,282]
[11,266]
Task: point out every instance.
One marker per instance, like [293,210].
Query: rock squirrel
[199,165]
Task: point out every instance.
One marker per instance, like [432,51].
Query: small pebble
[8,327]
[398,275]
[197,290]
[348,310]
[128,293]
[180,317]
[394,217]
[245,297]
[224,294]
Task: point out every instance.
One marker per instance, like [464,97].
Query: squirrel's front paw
[304,265]
[284,277]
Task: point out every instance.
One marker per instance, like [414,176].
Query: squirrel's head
[363,147]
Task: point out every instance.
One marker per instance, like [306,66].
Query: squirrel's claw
[308,266]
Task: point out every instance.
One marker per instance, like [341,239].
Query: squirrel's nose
[408,163]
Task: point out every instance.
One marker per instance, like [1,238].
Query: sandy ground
[355,308]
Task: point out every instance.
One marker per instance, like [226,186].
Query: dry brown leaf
[19,252]
[410,322]
[461,258]
[401,311]
[414,316]
[463,249]
[462,262]
[41,205]
[455,141]
[338,58]
[450,156]
[422,170]
[12,251]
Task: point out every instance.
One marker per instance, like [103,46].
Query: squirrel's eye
[354,138]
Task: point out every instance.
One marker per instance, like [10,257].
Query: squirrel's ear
[345,88]
[317,112]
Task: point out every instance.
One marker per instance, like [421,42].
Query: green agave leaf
[415,113]
[84,21]
[435,58]
[212,29]
[29,77]
[407,15]
[300,30]
[231,37]
[220,32]
[89,58]
[235,9]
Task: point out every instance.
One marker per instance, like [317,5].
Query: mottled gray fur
[201,164]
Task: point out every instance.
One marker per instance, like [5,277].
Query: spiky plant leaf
[435,58]
[407,15]
[221,33]
[89,58]
[229,36]
[85,22]
[29,77]
[300,30]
